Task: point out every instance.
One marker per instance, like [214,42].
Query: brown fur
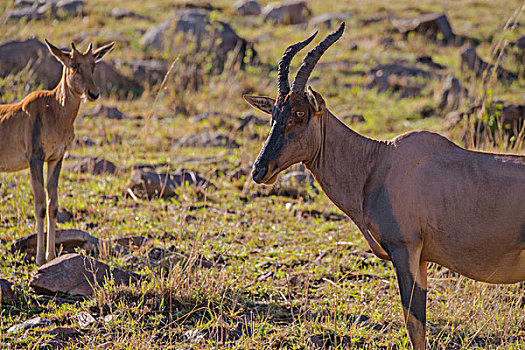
[39,129]
[418,198]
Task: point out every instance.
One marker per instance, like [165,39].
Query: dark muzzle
[259,172]
[92,95]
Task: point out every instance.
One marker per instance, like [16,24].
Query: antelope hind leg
[53,173]
[36,168]
[412,278]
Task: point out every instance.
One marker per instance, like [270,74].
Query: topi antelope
[39,129]
[418,198]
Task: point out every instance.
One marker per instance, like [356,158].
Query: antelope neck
[67,98]
[343,163]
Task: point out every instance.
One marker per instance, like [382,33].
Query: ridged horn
[284,64]
[313,56]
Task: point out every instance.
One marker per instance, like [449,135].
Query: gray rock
[470,60]
[35,322]
[329,20]
[66,240]
[120,13]
[64,216]
[452,94]
[248,7]
[287,12]
[109,112]
[406,80]
[17,55]
[197,28]
[433,25]
[77,274]
[84,319]
[6,291]
[144,183]
[295,183]
[35,10]
[206,139]
[151,72]
[94,166]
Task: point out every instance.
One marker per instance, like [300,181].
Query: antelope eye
[290,122]
[74,66]
[300,114]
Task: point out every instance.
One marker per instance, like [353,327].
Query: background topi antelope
[418,198]
[39,129]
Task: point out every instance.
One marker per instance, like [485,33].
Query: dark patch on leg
[42,213]
[413,297]
[36,139]
[522,233]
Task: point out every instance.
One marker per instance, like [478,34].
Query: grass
[282,279]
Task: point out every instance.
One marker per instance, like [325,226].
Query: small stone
[36,322]
[85,319]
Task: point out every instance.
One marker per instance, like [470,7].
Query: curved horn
[282,83]
[74,47]
[313,56]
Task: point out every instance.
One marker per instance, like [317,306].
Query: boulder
[217,38]
[206,139]
[120,13]
[287,12]
[108,112]
[66,240]
[77,274]
[6,291]
[470,60]
[248,7]
[452,94]
[151,72]
[295,184]
[19,54]
[93,166]
[408,81]
[433,25]
[40,9]
[144,183]
[329,20]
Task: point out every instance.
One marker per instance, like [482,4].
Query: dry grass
[280,279]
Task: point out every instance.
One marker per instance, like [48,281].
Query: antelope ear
[61,55]
[262,103]
[316,100]
[102,51]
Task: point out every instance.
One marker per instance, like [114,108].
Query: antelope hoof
[50,256]
[40,260]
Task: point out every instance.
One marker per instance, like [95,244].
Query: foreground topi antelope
[39,129]
[418,198]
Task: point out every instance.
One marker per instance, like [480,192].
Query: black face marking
[276,141]
[413,297]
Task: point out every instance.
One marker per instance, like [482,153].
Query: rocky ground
[165,242]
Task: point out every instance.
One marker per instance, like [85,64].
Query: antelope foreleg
[36,168]
[412,278]
[53,173]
